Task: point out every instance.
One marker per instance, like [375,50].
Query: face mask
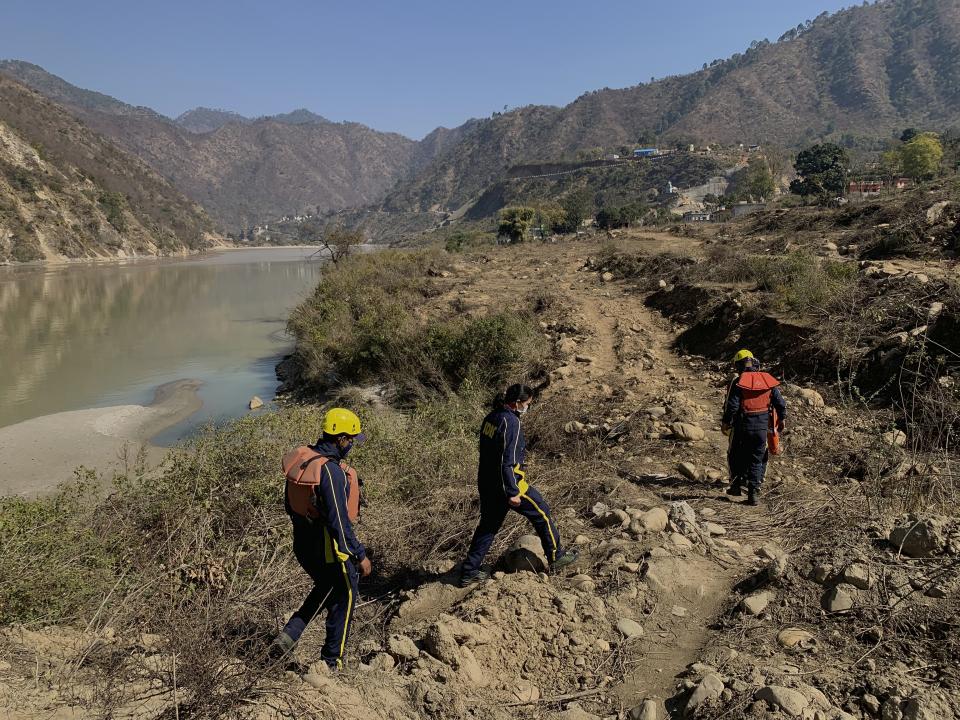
[523,409]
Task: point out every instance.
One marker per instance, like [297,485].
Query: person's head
[518,398]
[342,428]
[744,360]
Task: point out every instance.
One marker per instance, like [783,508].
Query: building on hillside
[753,148]
[745,208]
[865,187]
[645,152]
[698,216]
[613,156]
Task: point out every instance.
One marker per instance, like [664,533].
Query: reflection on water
[87,336]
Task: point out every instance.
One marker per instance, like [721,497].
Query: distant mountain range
[65,191]
[865,72]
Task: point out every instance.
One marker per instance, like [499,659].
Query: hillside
[868,71]
[243,173]
[66,192]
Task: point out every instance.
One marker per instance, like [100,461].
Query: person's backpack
[756,390]
[302,468]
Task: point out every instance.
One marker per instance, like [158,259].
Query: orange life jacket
[755,391]
[302,467]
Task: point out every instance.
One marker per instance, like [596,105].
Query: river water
[86,336]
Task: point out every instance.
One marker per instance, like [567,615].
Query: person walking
[753,406]
[322,500]
[502,485]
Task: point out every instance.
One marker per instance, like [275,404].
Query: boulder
[689,471]
[680,541]
[402,648]
[757,602]
[255,403]
[708,689]
[919,538]
[612,518]
[894,438]
[687,432]
[714,529]
[574,427]
[575,712]
[525,691]
[583,583]
[630,629]
[837,599]
[649,709]
[656,411]
[655,520]
[526,554]
[792,702]
[567,346]
[607,276]
[812,398]
[858,575]
[795,637]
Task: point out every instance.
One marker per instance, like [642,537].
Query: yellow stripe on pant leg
[346,622]
[546,518]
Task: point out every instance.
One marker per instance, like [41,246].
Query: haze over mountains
[868,71]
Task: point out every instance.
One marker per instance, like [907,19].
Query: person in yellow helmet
[324,542]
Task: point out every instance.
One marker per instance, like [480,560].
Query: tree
[617,217]
[578,206]
[759,178]
[921,156]
[822,171]
[551,217]
[891,164]
[515,222]
[336,241]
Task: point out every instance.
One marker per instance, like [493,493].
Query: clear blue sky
[400,65]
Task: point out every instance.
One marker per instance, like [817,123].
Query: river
[83,336]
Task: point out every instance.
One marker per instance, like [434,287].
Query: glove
[725,429]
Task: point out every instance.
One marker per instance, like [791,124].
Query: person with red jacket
[753,401]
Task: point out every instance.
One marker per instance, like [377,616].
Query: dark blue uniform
[748,454]
[327,550]
[502,454]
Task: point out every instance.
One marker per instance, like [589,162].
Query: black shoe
[479,576]
[568,557]
[752,497]
[735,491]
[282,647]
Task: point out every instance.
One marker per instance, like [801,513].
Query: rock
[525,691]
[678,611]
[649,709]
[526,554]
[795,637]
[583,583]
[830,246]
[607,276]
[382,662]
[770,552]
[820,573]
[687,432]
[574,427]
[714,529]
[470,669]
[584,359]
[655,412]
[440,642]
[919,538]
[870,703]
[314,680]
[757,602]
[581,540]
[575,712]
[255,403]
[836,599]
[938,592]
[402,648]
[935,309]
[680,541]
[792,702]
[891,708]
[935,211]
[655,520]
[858,575]
[612,518]
[688,470]
[567,346]
[630,629]
[926,707]
[812,398]
[894,438]
[708,689]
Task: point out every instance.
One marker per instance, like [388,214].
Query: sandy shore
[38,454]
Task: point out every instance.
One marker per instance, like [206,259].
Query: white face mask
[522,410]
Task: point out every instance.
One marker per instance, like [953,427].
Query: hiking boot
[567,558]
[281,647]
[752,495]
[479,576]
[735,491]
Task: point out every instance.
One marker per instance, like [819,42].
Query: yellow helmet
[742,355]
[340,421]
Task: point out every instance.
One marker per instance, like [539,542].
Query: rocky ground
[685,603]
